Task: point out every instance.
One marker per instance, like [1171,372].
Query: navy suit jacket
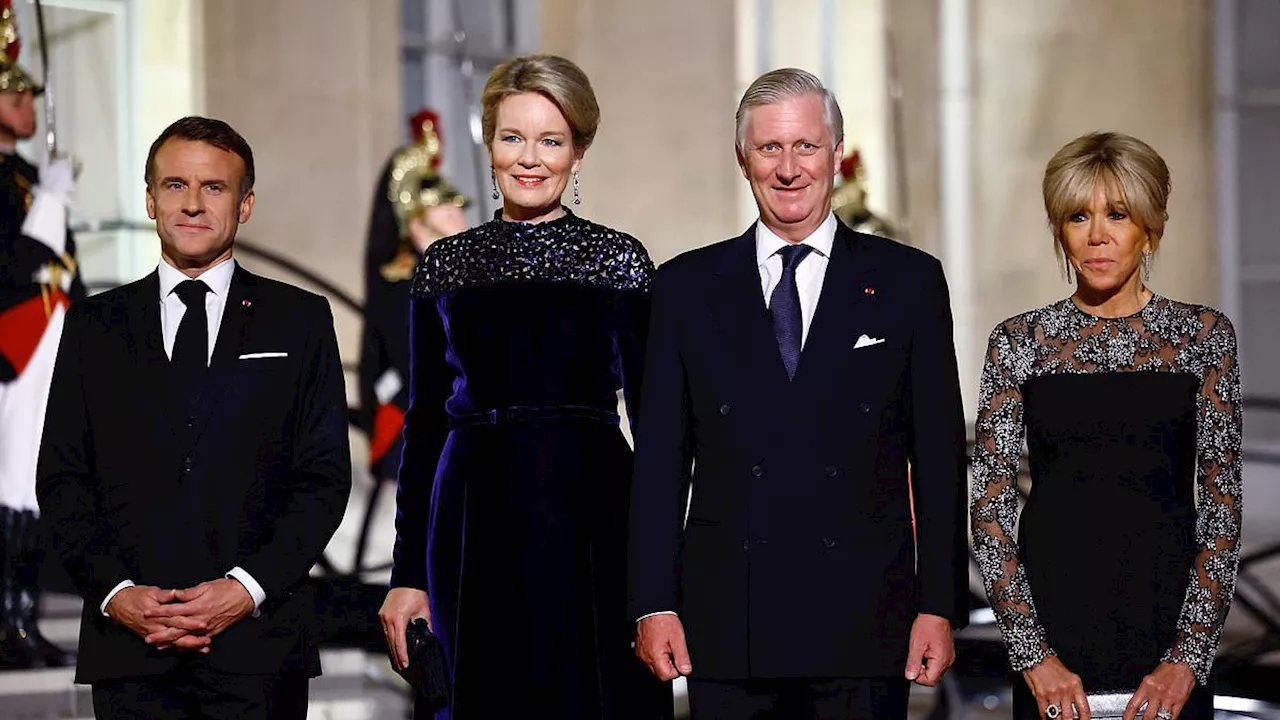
[800,557]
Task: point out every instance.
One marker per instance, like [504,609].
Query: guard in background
[413,207]
[849,200]
[38,281]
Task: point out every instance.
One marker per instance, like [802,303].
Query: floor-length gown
[514,484]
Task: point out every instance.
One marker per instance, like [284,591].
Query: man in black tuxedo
[195,460]
[821,567]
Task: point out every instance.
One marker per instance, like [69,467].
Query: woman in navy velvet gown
[1126,554]
[514,483]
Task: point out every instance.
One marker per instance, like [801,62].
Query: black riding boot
[24,553]
[14,651]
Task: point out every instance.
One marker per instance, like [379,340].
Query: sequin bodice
[518,314]
[1127,549]
[569,249]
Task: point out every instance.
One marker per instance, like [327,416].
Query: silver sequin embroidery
[568,249]
[1166,336]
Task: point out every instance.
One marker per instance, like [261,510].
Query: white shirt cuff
[255,590]
[114,590]
[660,612]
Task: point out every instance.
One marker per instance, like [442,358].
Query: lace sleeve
[1219,492]
[999,433]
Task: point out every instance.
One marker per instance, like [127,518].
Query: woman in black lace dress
[1129,402]
[514,485]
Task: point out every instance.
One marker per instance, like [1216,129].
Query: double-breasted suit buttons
[725,409]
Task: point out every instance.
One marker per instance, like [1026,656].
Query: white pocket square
[258,356]
[864,341]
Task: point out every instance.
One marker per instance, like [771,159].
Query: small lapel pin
[869,290]
[247,303]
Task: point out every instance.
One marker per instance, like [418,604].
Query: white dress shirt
[218,278]
[809,273]
[809,276]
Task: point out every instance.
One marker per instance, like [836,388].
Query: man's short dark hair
[211,132]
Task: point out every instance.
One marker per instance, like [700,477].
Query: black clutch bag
[426,671]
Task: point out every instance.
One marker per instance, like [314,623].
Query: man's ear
[246,206]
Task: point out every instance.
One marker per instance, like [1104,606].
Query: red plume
[415,128]
[15,47]
[850,164]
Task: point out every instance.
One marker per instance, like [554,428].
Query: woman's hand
[1165,691]
[398,610]
[1059,692]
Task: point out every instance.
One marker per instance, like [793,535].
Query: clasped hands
[186,619]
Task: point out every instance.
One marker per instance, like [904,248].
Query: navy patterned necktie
[784,307]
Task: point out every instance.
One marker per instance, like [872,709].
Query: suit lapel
[844,310]
[237,318]
[146,338]
[146,347]
[738,308]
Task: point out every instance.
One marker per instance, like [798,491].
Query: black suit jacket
[256,475]
[799,557]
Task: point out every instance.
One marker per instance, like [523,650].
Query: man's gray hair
[784,84]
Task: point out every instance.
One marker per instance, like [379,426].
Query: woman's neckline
[1150,301]
[497,216]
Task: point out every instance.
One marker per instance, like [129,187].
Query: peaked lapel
[844,310]
[738,308]
[237,317]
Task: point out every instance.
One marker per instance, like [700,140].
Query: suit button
[865,408]
[832,471]
[191,421]
[725,409]
[762,541]
[746,545]
[187,464]
[757,471]
[828,543]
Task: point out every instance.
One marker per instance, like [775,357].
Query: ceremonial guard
[38,281]
[849,199]
[413,207]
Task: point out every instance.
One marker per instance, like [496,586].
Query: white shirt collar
[821,240]
[218,278]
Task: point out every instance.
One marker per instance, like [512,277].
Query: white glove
[53,196]
[57,179]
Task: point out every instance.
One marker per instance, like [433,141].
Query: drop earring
[1146,266]
[493,178]
[577,196]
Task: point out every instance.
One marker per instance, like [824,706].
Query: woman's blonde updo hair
[552,77]
[1125,164]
